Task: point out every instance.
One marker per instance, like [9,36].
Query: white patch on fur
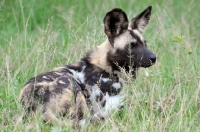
[59,73]
[79,75]
[117,85]
[95,91]
[82,122]
[61,82]
[45,77]
[113,102]
[96,105]
[122,40]
[105,79]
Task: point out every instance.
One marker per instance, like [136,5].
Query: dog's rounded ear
[115,23]
[141,21]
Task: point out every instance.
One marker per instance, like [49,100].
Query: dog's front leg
[81,111]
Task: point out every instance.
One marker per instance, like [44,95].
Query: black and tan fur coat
[90,89]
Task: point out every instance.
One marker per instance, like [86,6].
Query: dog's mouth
[136,66]
[144,64]
[147,65]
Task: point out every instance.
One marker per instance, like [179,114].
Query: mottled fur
[90,89]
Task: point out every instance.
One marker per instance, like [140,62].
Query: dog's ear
[115,23]
[141,20]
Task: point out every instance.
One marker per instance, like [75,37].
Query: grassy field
[37,36]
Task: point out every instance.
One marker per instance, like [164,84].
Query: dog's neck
[98,56]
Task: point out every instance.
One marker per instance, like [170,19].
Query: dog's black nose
[153,58]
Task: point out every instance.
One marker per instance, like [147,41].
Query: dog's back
[54,93]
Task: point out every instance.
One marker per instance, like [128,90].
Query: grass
[37,36]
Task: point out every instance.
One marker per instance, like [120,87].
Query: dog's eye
[132,44]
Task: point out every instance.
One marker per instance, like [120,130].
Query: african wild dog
[90,88]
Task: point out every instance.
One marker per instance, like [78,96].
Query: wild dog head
[129,48]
